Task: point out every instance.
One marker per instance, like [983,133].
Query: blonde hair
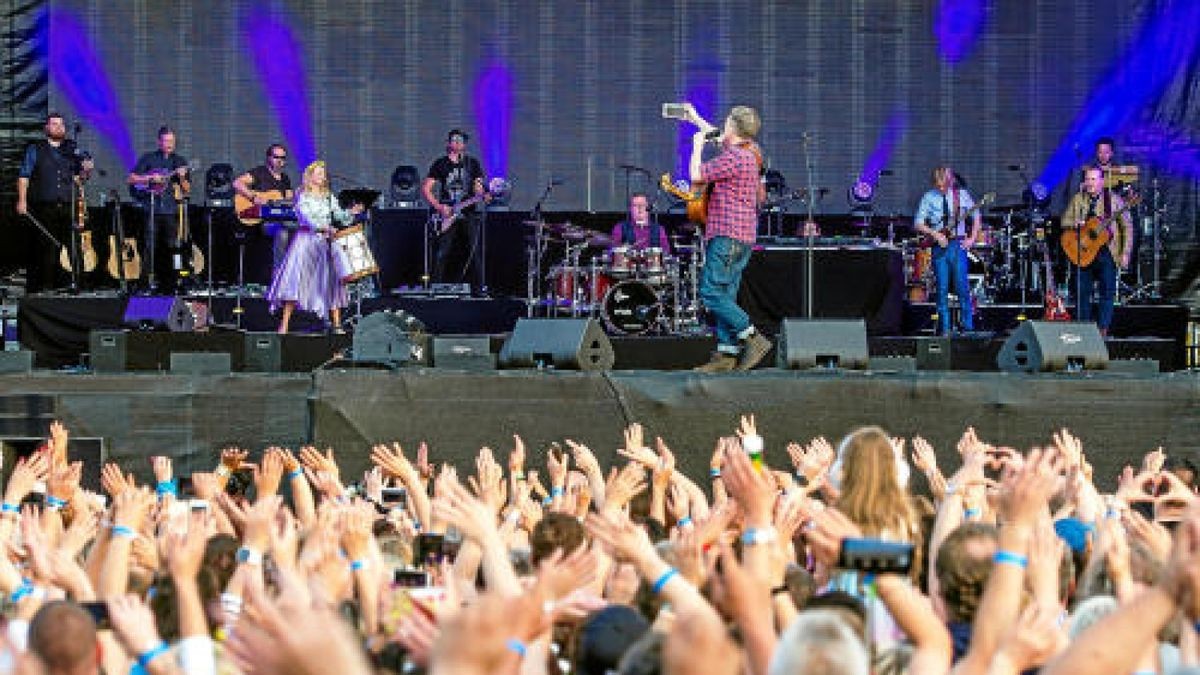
[745,121]
[306,183]
[872,493]
[947,173]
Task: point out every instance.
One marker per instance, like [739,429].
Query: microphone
[713,135]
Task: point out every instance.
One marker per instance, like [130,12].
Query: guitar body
[1083,246]
[248,212]
[126,256]
[697,209]
[87,254]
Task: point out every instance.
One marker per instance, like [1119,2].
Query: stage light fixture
[406,182]
[218,184]
[861,194]
[501,190]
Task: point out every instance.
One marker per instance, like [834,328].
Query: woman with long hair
[306,279]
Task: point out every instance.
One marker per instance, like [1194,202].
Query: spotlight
[861,194]
[406,183]
[1037,197]
[218,185]
[501,191]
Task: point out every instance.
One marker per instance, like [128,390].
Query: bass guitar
[1083,245]
[1054,309]
[949,223]
[442,224]
[251,214]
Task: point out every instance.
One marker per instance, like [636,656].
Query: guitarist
[456,176]
[269,177]
[152,181]
[44,191]
[1097,201]
[939,218]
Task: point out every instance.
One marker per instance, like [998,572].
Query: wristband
[248,556]
[972,513]
[164,487]
[154,652]
[516,646]
[518,475]
[1003,557]
[548,501]
[715,473]
[662,580]
[359,565]
[752,444]
[20,592]
[54,503]
[556,492]
[124,531]
[8,507]
[684,521]
[752,537]
[296,473]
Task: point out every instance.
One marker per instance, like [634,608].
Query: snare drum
[622,262]
[652,265]
[631,308]
[352,257]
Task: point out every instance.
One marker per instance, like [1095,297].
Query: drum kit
[633,291]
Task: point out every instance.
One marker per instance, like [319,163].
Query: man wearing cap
[453,179]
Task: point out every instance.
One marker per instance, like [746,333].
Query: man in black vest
[45,191]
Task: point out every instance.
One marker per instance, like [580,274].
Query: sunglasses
[279,157]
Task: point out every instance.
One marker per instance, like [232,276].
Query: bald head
[63,635]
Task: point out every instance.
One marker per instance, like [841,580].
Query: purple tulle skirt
[307,277]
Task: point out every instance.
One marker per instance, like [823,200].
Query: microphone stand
[533,271]
[809,231]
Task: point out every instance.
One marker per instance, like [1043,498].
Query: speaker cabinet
[390,337]
[823,343]
[14,362]
[159,312]
[463,352]
[263,352]
[563,344]
[107,350]
[1053,346]
[933,353]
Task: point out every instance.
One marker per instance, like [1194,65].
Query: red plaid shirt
[733,206]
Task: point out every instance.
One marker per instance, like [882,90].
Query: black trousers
[459,253]
[43,272]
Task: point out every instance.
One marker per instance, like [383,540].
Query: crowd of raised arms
[1017,562]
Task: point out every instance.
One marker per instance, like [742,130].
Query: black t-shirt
[456,180]
[261,180]
[157,161]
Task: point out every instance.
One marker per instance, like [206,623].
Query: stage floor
[191,418]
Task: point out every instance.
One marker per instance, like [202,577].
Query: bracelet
[296,473]
[548,501]
[556,492]
[1003,557]
[154,652]
[662,580]
[54,503]
[359,565]
[683,522]
[753,537]
[164,487]
[972,513]
[9,507]
[124,531]
[20,592]
[715,473]
[516,646]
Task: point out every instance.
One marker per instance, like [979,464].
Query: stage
[190,418]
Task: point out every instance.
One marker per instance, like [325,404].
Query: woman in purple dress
[306,279]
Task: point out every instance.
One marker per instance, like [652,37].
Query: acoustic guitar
[695,197]
[124,261]
[188,258]
[1082,246]
[249,213]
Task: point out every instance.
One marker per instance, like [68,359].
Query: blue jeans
[950,266]
[1103,270]
[724,260]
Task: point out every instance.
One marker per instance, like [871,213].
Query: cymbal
[599,240]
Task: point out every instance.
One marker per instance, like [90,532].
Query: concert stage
[191,417]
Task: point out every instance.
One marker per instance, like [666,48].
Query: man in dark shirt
[456,177]
[267,178]
[154,180]
[45,191]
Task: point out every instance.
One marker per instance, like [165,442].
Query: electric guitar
[695,197]
[951,222]
[1084,245]
[249,213]
[442,224]
[1054,309]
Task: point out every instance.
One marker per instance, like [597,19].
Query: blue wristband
[715,473]
[972,513]
[358,565]
[55,503]
[556,492]
[8,507]
[20,592]
[662,581]
[686,520]
[123,531]
[165,487]
[154,652]
[516,646]
[1003,557]
[298,473]
[548,501]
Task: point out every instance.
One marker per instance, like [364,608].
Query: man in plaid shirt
[729,235]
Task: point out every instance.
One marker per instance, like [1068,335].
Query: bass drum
[631,308]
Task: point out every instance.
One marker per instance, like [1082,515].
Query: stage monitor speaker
[201,363]
[563,344]
[1053,346]
[823,343]
[14,362]
[391,338]
[263,352]
[107,350]
[463,352]
[159,312]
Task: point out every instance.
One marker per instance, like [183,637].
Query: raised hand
[185,548]
[1153,461]
[131,507]
[557,463]
[923,456]
[423,466]
[585,459]
[623,485]
[270,474]
[60,438]
[311,458]
[753,490]
[373,484]
[394,463]
[625,539]
[133,623]
[233,458]
[1025,492]
[830,527]
[205,485]
[475,519]
[634,438]
[25,474]
[516,457]
[162,469]
[1033,640]
[63,480]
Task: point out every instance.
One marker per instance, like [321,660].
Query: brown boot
[754,351]
[720,363]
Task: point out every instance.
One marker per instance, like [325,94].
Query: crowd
[864,557]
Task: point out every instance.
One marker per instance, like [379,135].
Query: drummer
[306,278]
[640,231]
